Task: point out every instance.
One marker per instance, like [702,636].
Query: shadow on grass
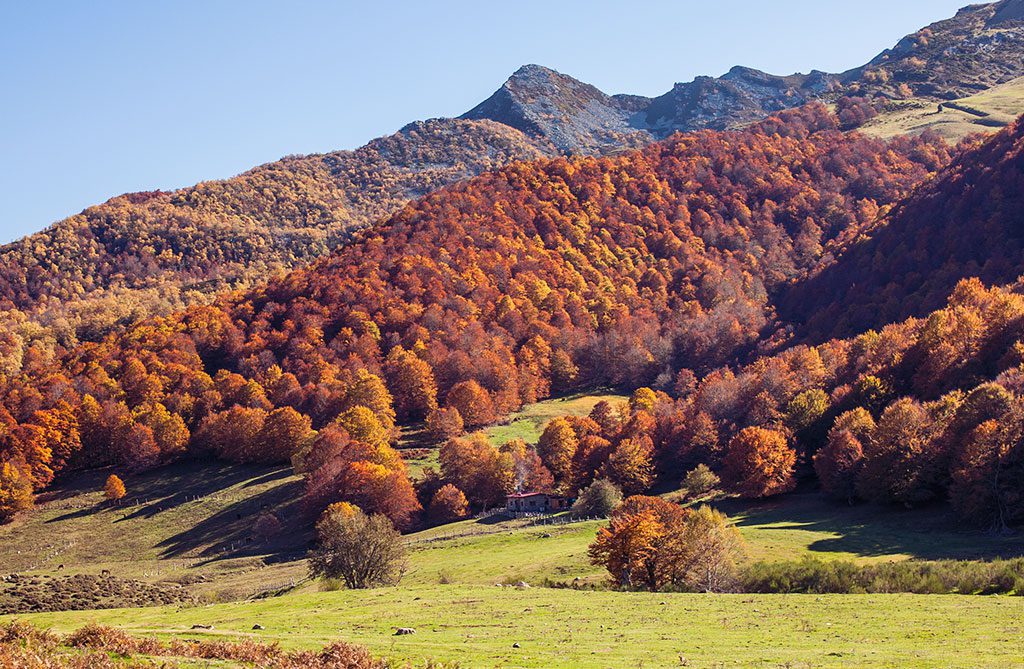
[929,533]
[166,489]
[229,533]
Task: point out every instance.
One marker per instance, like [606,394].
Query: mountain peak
[532,71]
[547,105]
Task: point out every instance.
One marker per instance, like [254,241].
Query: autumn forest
[672,272]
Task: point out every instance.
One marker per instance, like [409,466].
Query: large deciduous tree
[759,463]
[364,551]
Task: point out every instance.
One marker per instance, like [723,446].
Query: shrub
[114,489]
[653,544]
[700,482]
[25,647]
[598,500]
[815,576]
[267,527]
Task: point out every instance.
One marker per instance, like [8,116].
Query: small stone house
[535,502]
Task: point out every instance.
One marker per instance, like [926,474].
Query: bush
[814,576]
[267,527]
[114,489]
[654,544]
[598,500]
[25,647]
[700,482]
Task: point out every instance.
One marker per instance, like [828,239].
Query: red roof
[520,495]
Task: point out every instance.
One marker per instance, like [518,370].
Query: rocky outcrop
[981,47]
[572,116]
[741,96]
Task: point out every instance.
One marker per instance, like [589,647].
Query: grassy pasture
[478,625]
[192,522]
[529,423]
[981,113]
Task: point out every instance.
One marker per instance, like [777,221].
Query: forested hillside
[966,223]
[534,279]
[153,253]
[150,253]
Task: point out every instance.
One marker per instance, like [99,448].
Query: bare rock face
[1007,11]
[741,96]
[982,46]
[573,116]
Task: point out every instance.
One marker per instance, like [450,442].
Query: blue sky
[101,98]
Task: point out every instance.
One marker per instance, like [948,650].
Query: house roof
[520,495]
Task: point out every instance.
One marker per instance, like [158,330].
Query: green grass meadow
[478,625]
[529,423]
[989,110]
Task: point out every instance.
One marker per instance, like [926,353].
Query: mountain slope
[741,96]
[572,116]
[982,46]
[151,253]
[146,253]
[965,223]
[487,294]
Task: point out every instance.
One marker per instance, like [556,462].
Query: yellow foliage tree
[114,489]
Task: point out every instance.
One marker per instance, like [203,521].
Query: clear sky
[105,97]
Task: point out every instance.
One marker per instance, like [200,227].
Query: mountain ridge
[149,253]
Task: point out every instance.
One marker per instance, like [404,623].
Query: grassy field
[985,112]
[530,422]
[189,520]
[478,625]
[203,540]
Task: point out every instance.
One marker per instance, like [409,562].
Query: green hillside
[985,112]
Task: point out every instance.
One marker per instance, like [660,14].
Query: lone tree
[700,482]
[15,491]
[114,490]
[267,527]
[447,505]
[362,550]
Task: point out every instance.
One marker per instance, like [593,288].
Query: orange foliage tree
[759,462]
[114,489]
[447,505]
